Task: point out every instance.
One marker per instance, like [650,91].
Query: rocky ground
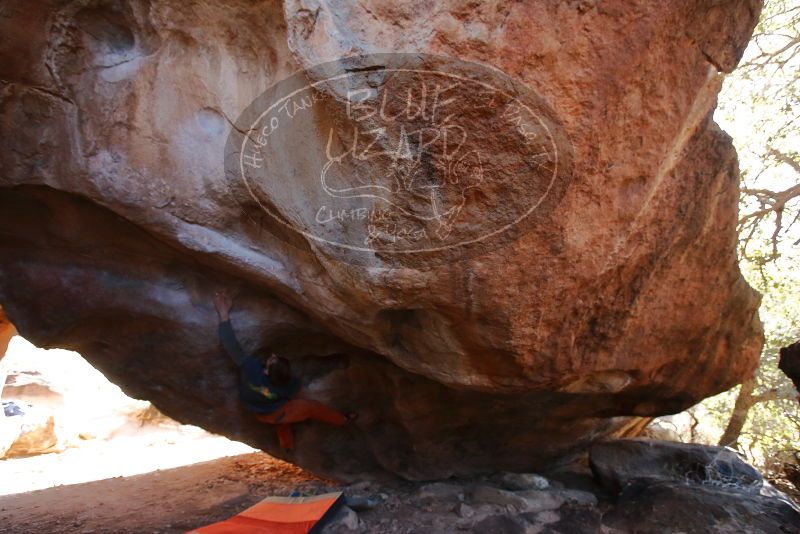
[84,475]
[64,423]
[172,500]
[724,496]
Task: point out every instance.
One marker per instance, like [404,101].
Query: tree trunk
[741,408]
[633,428]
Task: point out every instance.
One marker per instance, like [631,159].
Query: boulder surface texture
[660,486]
[490,284]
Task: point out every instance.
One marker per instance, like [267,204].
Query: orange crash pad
[279,515]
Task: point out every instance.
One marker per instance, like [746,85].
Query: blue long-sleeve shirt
[255,390]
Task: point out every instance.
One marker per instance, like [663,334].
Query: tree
[760,107]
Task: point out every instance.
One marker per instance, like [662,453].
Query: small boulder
[28,434]
[12,409]
[567,495]
[500,497]
[790,363]
[650,507]
[524,501]
[523,481]
[500,524]
[440,491]
[465,511]
[350,519]
[345,519]
[616,463]
[569,518]
[361,503]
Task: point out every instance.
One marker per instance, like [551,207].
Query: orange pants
[295,411]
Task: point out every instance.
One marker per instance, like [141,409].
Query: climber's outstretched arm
[227,337]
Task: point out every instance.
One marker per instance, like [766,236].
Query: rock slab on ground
[660,486]
[616,463]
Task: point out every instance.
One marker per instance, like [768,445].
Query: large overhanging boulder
[494,302]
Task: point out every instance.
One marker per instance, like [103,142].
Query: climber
[268,388]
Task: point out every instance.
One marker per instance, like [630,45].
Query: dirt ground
[164,501]
[183,498]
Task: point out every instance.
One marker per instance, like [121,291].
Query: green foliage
[760,107]
[772,432]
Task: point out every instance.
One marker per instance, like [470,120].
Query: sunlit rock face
[491,280]
[7,331]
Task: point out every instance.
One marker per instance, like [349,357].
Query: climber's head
[278,370]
